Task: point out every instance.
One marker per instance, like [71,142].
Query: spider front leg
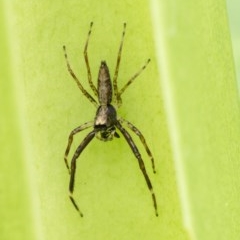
[140,162]
[85,93]
[115,85]
[137,132]
[77,153]
[87,62]
[133,78]
[70,139]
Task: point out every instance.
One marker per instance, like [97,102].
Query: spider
[106,121]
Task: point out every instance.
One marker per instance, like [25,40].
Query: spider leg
[115,85]
[133,77]
[80,148]
[70,139]
[89,97]
[137,132]
[140,161]
[87,62]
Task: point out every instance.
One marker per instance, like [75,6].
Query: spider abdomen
[104,85]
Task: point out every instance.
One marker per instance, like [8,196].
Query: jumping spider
[106,120]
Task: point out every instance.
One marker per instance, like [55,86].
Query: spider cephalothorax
[106,122]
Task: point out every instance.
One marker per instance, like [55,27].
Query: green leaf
[200,88]
[110,187]
[194,124]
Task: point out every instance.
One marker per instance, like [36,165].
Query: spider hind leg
[142,139]
[140,162]
[77,153]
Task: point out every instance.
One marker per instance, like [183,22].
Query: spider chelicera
[106,120]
